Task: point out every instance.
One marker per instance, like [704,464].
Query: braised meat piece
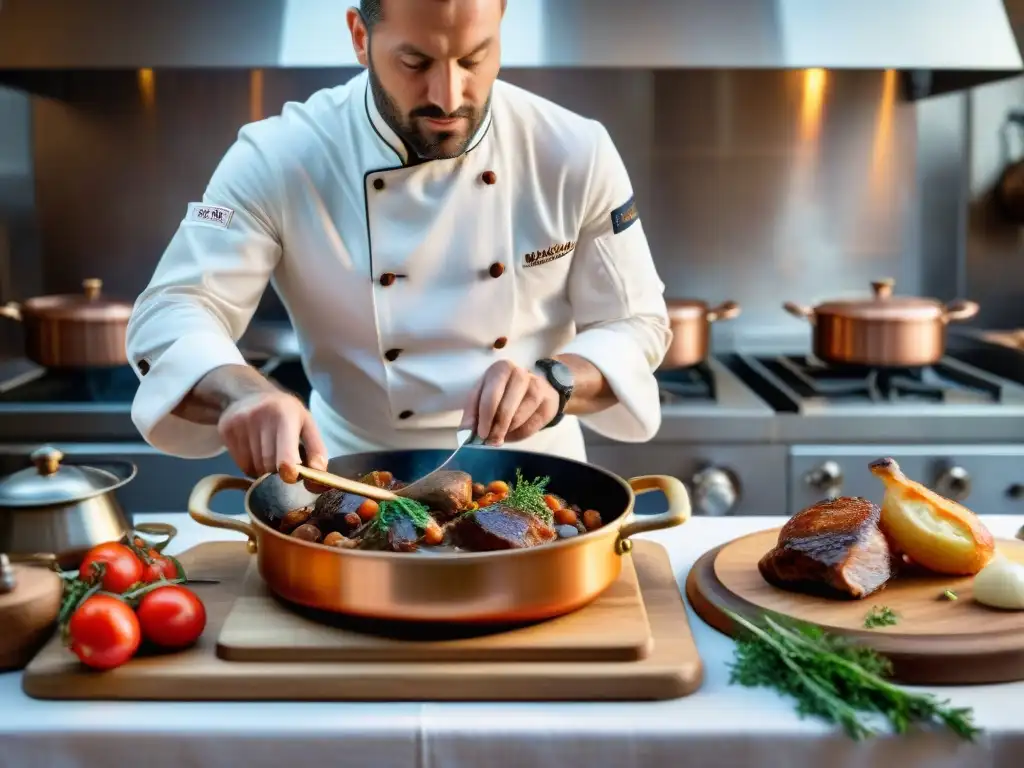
[336,511]
[447,493]
[834,548]
[399,535]
[499,527]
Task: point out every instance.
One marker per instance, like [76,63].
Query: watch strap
[564,393]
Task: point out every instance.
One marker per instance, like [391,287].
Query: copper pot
[690,320]
[883,331]
[452,587]
[82,330]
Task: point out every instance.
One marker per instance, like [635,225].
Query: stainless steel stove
[954,426]
[751,433]
[717,435]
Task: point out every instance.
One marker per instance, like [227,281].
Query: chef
[452,251]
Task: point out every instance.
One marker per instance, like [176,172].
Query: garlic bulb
[1000,584]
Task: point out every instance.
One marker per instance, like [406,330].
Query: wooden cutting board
[935,641]
[262,628]
[672,668]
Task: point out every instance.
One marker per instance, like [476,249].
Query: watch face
[560,372]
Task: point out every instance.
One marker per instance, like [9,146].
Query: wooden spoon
[344,484]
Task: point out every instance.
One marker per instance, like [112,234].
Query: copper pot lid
[695,309]
[883,305]
[686,309]
[49,482]
[89,305]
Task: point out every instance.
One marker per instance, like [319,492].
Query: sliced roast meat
[499,527]
[833,548]
[447,493]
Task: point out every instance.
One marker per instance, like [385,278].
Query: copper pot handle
[727,310]
[797,311]
[199,506]
[12,311]
[957,311]
[38,560]
[166,530]
[678,508]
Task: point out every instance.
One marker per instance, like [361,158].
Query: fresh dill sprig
[388,513]
[528,496]
[880,617]
[836,681]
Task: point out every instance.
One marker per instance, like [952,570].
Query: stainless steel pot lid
[49,482]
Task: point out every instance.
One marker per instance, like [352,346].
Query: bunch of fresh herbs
[528,496]
[834,680]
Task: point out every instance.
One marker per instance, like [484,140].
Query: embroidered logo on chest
[536,258]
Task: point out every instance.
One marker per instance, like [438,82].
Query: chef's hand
[263,430]
[510,404]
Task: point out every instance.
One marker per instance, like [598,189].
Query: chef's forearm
[217,390]
[591,391]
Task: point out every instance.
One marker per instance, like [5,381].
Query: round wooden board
[934,642]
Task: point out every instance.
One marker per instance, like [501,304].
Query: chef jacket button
[378,184]
[405,415]
[497,269]
[489,178]
[392,354]
[500,343]
[143,366]
[388,278]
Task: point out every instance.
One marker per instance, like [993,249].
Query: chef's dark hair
[371,12]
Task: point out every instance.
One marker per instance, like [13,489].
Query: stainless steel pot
[74,331]
[884,330]
[690,320]
[63,510]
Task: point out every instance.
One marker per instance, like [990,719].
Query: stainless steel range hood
[974,36]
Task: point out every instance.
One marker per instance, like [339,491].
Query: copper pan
[690,321]
[451,587]
[884,330]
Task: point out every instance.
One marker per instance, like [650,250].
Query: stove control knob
[826,478]
[954,483]
[715,492]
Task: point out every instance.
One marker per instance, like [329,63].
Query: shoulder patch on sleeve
[625,216]
[209,215]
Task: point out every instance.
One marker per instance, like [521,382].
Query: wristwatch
[561,379]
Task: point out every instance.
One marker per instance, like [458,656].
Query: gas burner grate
[97,385]
[940,383]
[693,384]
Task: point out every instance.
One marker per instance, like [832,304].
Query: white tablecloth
[721,726]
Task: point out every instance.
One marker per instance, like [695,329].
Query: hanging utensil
[1009,190]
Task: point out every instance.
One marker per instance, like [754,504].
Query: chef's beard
[427,144]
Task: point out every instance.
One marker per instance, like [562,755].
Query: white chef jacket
[405,282]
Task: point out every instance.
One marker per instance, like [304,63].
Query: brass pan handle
[678,508]
[199,506]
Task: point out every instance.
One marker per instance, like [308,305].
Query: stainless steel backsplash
[995,246]
[757,186]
